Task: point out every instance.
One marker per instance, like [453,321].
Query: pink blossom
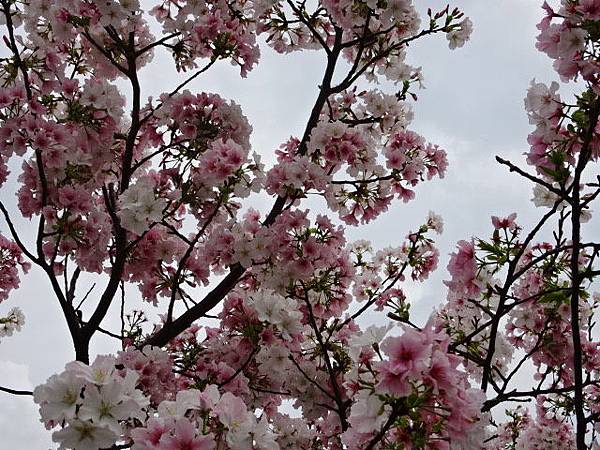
[406,360]
[507,223]
[185,438]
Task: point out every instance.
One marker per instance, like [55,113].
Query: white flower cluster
[282,312]
[90,402]
[458,36]
[542,104]
[12,322]
[394,115]
[435,222]
[104,96]
[113,13]
[140,207]
[369,413]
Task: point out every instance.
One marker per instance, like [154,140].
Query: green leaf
[557,298]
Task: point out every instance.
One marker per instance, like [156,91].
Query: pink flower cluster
[370,188]
[204,142]
[413,159]
[11,258]
[546,431]
[544,108]
[463,269]
[400,13]
[418,254]
[540,323]
[567,37]
[417,378]
[336,143]
[294,174]
[294,251]
[470,302]
[53,25]
[534,319]
[185,424]
[200,119]
[150,264]
[565,42]
[154,368]
[212,29]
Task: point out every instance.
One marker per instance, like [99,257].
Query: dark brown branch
[584,157]
[180,267]
[537,180]
[212,299]
[309,25]
[15,235]
[510,279]
[119,233]
[339,401]
[397,411]
[110,333]
[15,391]
[509,396]
[143,50]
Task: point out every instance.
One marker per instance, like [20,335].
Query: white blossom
[458,36]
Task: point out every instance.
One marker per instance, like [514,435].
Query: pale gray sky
[473,107]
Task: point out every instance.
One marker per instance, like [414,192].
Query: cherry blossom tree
[159,194]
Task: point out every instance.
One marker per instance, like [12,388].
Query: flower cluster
[12,322]
[381,28]
[572,44]
[151,264]
[460,34]
[565,42]
[139,207]
[351,136]
[11,258]
[474,268]
[416,378]
[294,251]
[204,141]
[200,119]
[180,424]
[294,174]
[546,433]
[93,404]
[370,188]
[533,312]
[278,311]
[413,159]
[60,29]
[214,29]
[154,368]
[540,323]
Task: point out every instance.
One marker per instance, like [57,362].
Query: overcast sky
[472,106]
